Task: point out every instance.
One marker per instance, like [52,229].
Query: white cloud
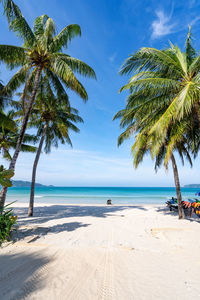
[113,57]
[194,21]
[161,26]
[89,168]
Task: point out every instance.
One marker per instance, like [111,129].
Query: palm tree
[145,143]
[163,106]
[170,76]
[139,119]
[53,119]
[41,52]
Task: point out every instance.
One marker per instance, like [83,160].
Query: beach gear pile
[190,206]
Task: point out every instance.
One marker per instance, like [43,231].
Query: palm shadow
[34,227]
[19,275]
[36,232]
[167,212]
[43,214]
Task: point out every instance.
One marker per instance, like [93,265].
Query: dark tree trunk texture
[21,134]
[178,189]
[31,203]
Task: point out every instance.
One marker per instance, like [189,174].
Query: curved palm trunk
[31,203]
[21,134]
[178,189]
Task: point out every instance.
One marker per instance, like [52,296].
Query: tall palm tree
[138,120]
[41,52]
[53,119]
[146,143]
[164,97]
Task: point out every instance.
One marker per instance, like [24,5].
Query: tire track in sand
[106,291]
[101,264]
[74,286]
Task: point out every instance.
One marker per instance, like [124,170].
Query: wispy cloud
[161,26]
[113,57]
[194,21]
[90,168]
[191,3]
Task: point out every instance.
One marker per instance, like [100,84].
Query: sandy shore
[85,252]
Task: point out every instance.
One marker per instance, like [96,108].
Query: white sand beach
[84,252]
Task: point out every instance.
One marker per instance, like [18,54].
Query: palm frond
[152,84]
[190,51]
[39,24]
[61,39]
[20,26]
[13,56]
[151,59]
[11,10]
[172,111]
[16,81]
[61,69]
[78,66]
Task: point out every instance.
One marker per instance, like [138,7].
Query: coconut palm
[138,120]
[158,109]
[41,53]
[170,76]
[53,119]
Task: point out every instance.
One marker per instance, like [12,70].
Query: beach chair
[172,204]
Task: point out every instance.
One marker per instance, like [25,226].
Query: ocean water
[99,195]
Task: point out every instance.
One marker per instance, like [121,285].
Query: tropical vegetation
[7,220]
[9,137]
[5,176]
[41,53]
[53,118]
[162,110]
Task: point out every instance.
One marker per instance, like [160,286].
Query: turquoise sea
[98,195]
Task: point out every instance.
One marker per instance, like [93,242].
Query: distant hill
[194,185]
[21,183]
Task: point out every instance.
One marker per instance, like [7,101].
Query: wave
[102,196]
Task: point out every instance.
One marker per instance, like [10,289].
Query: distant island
[21,183]
[194,185]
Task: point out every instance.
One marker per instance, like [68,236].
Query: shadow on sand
[34,232]
[33,227]
[43,214]
[20,274]
[167,212]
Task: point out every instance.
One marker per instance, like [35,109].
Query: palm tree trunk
[31,203]
[21,134]
[178,189]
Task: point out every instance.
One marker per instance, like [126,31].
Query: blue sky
[111,30]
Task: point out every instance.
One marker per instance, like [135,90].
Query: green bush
[5,176]
[7,220]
